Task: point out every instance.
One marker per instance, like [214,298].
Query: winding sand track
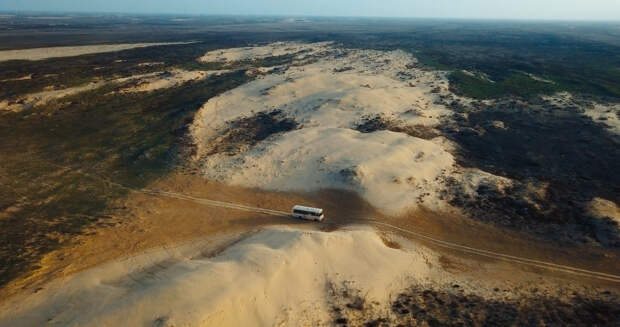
[420,236]
[438,242]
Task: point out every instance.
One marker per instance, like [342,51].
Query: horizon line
[85,12]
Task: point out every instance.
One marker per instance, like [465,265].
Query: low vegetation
[576,59]
[559,159]
[54,161]
[73,71]
[517,84]
[452,306]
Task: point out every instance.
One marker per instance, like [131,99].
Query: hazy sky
[519,9]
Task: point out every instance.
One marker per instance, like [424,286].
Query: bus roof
[308,209]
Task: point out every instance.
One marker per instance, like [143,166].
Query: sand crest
[260,52]
[329,98]
[278,275]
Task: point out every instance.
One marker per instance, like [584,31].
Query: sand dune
[261,52]
[40,98]
[282,276]
[277,276]
[142,83]
[602,208]
[390,170]
[168,79]
[609,115]
[23,78]
[329,98]
[71,51]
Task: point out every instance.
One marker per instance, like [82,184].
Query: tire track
[418,235]
[445,244]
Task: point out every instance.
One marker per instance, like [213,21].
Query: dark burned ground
[438,308]
[73,71]
[540,145]
[248,131]
[131,139]
[377,123]
[424,306]
[452,306]
[419,306]
[559,159]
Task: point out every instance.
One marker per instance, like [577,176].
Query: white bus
[308,213]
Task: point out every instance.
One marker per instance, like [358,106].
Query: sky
[486,9]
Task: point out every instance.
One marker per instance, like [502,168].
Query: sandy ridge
[329,96]
[71,51]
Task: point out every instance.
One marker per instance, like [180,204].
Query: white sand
[70,51]
[276,277]
[145,83]
[34,100]
[261,52]
[173,78]
[471,179]
[23,78]
[393,171]
[40,98]
[150,64]
[608,115]
[601,208]
[390,170]
[539,79]
[314,95]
